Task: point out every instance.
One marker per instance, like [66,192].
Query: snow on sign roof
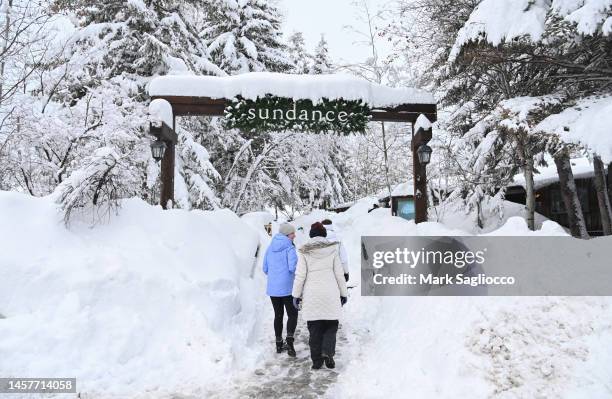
[298,87]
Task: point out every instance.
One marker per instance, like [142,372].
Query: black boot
[279,345]
[329,361]
[317,364]
[290,348]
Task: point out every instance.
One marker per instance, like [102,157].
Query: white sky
[313,17]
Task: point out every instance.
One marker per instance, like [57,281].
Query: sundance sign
[278,114]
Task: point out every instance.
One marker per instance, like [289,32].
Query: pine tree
[298,55]
[321,63]
[245,36]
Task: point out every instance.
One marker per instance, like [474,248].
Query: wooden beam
[408,117]
[205,106]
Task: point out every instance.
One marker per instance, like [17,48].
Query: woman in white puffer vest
[319,287]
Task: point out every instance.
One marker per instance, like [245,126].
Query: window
[583,196]
[405,208]
[556,201]
[558,206]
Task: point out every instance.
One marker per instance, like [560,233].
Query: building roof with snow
[298,87]
[402,190]
[582,168]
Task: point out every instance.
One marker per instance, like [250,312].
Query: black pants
[322,338]
[280,302]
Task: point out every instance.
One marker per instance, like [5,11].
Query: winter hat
[318,230]
[286,229]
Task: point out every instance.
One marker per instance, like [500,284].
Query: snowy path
[281,376]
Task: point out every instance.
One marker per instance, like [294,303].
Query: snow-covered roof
[587,123]
[343,205]
[298,87]
[403,189]
[581,168]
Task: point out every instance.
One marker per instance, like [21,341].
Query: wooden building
[549,201]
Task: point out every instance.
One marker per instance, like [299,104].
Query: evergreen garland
[245,114]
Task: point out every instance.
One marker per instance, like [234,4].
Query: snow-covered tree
[321,61]
[481,60]
[298,55]
[244,36]
[84,112]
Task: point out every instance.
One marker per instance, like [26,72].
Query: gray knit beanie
[286,229]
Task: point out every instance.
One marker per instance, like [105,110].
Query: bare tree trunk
[386,157]
[5,43]
[610,182]
[530,194]
[527,162]
[605,210]
[570,196]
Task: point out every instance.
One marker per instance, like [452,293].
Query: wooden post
[421,137]
[167,176]
[167,134]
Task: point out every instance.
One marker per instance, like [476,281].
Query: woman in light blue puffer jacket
[279,265]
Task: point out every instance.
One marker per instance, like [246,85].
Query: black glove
[343,300]
[346,277]
[297,303]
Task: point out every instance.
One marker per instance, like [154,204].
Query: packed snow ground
[169,304]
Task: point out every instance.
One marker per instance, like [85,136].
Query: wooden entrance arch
[207,96]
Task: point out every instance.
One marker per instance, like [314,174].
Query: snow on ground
[299,87]
[526,347]
[161,304]
[452,215]
[153,302]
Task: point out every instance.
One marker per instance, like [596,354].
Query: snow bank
[298,87]
[453,215]
[472,347]
[154,301]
